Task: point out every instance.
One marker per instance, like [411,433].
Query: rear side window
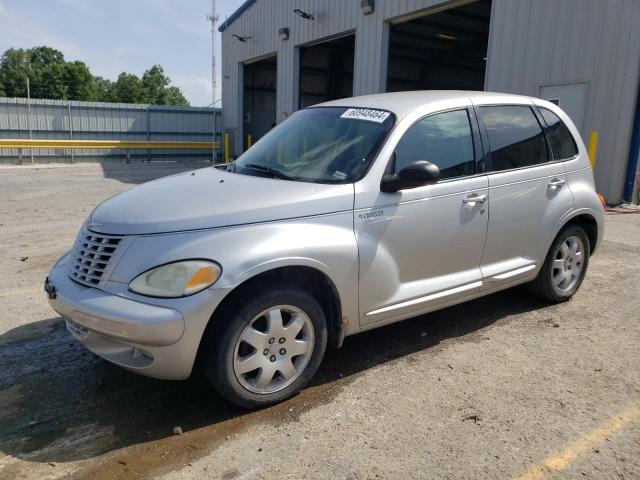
[516,138]
[444,139]
[563,145]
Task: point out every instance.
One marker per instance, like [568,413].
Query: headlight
[177,279]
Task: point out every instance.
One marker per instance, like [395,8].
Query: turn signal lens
[177,279]
[204,277]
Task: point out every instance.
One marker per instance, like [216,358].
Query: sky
[112,36]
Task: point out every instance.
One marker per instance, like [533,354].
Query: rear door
[528,192]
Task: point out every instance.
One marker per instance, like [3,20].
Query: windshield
[321,144]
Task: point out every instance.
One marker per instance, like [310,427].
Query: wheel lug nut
[266,351]
[271,340]
[282,351]
[282,340]
[272,358]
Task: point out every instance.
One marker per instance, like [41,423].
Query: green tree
[128,89]
[80,84]
[154,81]
[172,96]
[50,76]
[14,70]
[47,70]
[158,89]
[103,89]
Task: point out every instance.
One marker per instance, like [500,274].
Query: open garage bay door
[326,71]
[444,50]
[259,98]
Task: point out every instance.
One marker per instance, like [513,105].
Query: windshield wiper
[268,170]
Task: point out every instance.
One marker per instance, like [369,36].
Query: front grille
[91,256]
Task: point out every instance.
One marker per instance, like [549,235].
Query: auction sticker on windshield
[378,116]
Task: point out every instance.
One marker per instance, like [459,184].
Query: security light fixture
[367,6]
[242,39]
[284,33]
[305,15]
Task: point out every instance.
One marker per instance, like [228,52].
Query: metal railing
[21,143]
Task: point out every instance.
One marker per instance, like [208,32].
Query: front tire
[565,266]
[267,347]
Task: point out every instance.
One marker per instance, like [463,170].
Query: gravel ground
[502,387]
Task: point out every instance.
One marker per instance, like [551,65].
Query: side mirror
[416,174]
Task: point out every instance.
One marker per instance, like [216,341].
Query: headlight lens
[177,279]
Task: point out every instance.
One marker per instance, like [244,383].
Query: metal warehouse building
[282,55]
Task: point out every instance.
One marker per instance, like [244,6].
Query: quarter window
[515,137]
[563,145]
[444,139]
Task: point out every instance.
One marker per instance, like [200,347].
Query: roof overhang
[235,15]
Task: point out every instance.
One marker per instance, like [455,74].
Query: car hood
[209,198]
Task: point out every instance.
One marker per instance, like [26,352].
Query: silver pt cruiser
[349,215]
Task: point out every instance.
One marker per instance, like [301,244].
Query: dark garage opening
[259,98]
[444,50]
[326,71]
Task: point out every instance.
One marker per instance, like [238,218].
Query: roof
[401,103]
[235,15]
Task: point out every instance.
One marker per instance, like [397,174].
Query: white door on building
[570,97]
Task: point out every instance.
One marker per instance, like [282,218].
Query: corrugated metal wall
[550,42]
[63,120]
[264,18]
[532,43]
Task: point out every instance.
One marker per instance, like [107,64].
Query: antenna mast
[213,18]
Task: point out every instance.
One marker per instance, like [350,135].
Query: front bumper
[142,337]
[114,316]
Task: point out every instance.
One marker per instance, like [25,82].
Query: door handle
[555,183]
[475,199]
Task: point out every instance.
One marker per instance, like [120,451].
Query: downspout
[634,153]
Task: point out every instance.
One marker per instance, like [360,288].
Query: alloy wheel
[273,349]
[568,264]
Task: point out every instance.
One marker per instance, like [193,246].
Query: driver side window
[444,139]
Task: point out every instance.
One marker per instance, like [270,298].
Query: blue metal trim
[634,153]
[234,16]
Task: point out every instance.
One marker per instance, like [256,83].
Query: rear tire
[565,266]
[266,347]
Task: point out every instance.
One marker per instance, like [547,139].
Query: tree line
[51,76]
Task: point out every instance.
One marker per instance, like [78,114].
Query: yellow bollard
[226,148]
[593,148]
[249,141]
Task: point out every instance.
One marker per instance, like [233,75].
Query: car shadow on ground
[59,402]
[141,172]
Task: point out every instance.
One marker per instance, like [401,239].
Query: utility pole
[29,115]
[213,18]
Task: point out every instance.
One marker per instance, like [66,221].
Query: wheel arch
[589,224]
[587,220]
[310,278]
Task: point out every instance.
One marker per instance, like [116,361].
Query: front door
[528,193]
[422,247]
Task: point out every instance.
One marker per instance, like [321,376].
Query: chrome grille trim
[92,254]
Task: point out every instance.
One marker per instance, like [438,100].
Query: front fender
[326,243]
